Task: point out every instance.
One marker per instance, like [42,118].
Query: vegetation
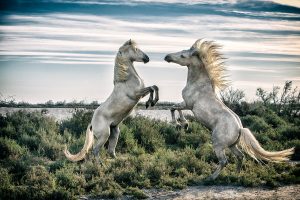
[11,103]
[151,154]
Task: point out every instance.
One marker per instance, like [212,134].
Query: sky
[64,49]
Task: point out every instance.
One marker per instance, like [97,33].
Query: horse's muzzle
[146,59]
[168,58]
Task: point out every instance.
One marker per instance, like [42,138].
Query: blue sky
[64,50]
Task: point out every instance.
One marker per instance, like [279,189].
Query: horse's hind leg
[102,136]
[240,156]
[113,140]
[220,152]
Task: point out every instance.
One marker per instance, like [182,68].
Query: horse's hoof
[152,104]
[185,126]
[147,105]
[178,127]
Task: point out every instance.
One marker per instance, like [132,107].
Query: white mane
[121,63]
[213,62]
[120,70]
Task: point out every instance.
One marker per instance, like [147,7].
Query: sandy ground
[227,192]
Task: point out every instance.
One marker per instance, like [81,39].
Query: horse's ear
[196,44]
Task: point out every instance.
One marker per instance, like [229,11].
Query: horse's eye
[182,56]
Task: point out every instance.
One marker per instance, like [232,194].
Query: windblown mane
[120,70]
[121,67]
[213,62]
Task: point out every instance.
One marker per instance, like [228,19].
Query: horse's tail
[86,147]
[252,147]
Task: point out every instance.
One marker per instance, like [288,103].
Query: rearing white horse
[128,90]
[205,74]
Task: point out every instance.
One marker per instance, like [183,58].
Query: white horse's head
[203,54]
[130,51]
[185,57]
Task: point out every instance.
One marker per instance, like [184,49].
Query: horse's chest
[188,95]
[139,84]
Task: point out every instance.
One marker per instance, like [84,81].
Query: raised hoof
[148,103]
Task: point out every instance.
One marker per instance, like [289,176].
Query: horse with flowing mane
[128,90]
[205,75]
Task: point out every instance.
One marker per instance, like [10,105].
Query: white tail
[252,147]
[86,147]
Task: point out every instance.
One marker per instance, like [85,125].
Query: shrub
[70,180]
[10,148]
[31,142]
[206,153]
[78,123]
[289,132]
[136,193]
[126,142]
[255,123]
[38,176]
[5,178]
[273,119]
[147,134]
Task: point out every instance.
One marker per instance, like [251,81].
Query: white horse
[205,75]
[128,90]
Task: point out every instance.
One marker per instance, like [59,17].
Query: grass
[151,154]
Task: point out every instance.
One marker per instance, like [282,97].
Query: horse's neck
[198,77]
[125,71]
[132,73]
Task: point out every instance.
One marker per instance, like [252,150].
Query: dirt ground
[227,192]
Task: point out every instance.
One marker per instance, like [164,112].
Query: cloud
[258,41]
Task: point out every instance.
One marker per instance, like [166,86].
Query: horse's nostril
[146,59]
[168,58]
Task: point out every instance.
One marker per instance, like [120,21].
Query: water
[60,114]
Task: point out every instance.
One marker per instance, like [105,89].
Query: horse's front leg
[145,91]
[182,121]
[174,121]
[156,95]
[150,100]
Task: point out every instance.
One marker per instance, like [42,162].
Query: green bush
[67,178]
[5,178]
[255,123]
[136,193]
[10,148]
[38,176]
[31,142]
[147,134]
[289,132]
[78,123]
